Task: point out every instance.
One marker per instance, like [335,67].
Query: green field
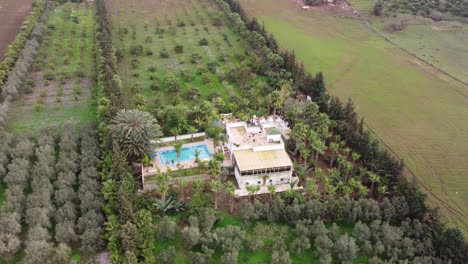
[441,43]
[60,86]
[414,109]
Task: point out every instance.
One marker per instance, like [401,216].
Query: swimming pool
[188,153]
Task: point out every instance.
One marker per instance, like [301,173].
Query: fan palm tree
[162,185]
[178,149]
[182,184]
[231,191]
[373,178]
[340,160]
[214,168]
[302,170]
[363,190]
[216,186]
[382,190]
[304,151]
[272,191]
[312,188]
[331,190]
[175,131]
[334,148]
[191,130]
[354,185]
[133,130]
[275,100]
[347,166]
[252,190]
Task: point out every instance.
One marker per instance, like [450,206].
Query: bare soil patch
[12,14]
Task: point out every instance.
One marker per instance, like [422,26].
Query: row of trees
[128,226]
[50,211]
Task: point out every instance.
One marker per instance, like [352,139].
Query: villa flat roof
[256,160]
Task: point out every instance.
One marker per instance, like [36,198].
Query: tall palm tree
[133,130]
[252,190]
[340,160]
[215,188]
[382,190]
[191,130]
[312,188]
[354,185]
[272,191]
[347,166]
[373,178]
[231,191]
[363,190]
[334,148]
[275,100]
[162,185]
[175,132]
[214,168]
[302,170]
[304,151]
[178,149]
[182,184]
[355,156]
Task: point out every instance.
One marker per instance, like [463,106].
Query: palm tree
[178,149]
[363,190]
[320,175]
[252,190]
[348,166]
[347,190]
[382,190]
[231,191]
[374,178]
[275,100]
[304,151]
[334,147]
[355,156]
[182,183]
[312,188]
[175,131]
[354,185]
[191,130]
[334,174]
[272,191]
[330,189]
[162,185]
[214,168]
[341,160]
[133,131]
[197,156]
[302,170]
[215,188]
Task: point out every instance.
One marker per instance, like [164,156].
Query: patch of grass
[3,188]
[413,108]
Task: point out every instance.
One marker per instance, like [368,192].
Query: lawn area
[269,233]
[169,35]
[60,86]
[415,110]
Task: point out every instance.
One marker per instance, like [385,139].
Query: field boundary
[367,24]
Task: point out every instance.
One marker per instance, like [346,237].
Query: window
[271,180]
[246,183]
[282,179]
[259,182]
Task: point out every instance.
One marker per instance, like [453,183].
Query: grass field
[12,14]
[60,87]
[417,111]
[158,26]
[441,43]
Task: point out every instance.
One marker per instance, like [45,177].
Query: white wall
[253,180]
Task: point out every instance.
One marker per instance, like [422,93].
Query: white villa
[257,151]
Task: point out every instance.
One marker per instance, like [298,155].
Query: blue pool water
[188,153]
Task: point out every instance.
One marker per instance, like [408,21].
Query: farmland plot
[59,87]
[188,40]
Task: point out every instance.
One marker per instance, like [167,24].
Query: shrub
[49,76]
[135,63]
[206,78]
[152,68]
[149,52]
[59,90]
[79,73]
[196,58]
[148,39]
[181,24]
[77,90]
[187,75]
[203,42]
[212,66]
[179,48]
[136,50]
[163,53]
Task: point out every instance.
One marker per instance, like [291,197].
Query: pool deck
[157,167]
